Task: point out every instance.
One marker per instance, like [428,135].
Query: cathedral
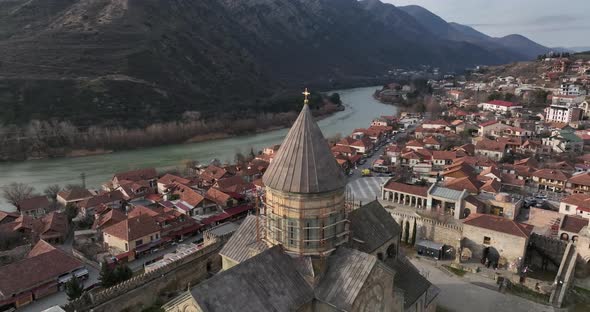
[307,249]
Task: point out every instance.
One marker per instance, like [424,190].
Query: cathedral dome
[304,162]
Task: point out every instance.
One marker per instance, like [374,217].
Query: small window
[126,247]
[567,207]
[487,240]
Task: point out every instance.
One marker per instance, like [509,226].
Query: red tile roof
[102,199]
[573,224]
[551,174]
[499,224]
[133,228]
[34,203]
[581,179]
[188,195]
[43,265]
[136,175]
[488,123]
[467,183]
[168,179]
[421,191]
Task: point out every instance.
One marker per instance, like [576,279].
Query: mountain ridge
[137,62]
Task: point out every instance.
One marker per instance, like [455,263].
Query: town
[491,184]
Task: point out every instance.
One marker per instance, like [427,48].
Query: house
[136,190]
[150,175]
[363,146]
[431,143]
[129,234]
[8,217]
[213,173]
[456,95]
[107,217]
[73,195]
[222,199]
[550,179]
[234,184]
[489,127]
[564,141]
[499,106]
[190,202]
[435,124]
[393,152]
[579,183]
[414,145]
[114,199]
[501,241]
[346,151]
[54,228]
[576,204]
[36,206]
[440,159]
[35,276]
[169,179]
[493,149]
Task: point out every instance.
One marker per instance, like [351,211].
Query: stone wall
[545,247]
[427,229]
[143,290]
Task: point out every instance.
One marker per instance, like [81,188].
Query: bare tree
[51,191]
[16,192]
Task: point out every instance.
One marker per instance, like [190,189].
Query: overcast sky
[564,23]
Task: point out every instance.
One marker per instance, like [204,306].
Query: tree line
[52,138]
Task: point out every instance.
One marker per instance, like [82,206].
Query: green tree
[106,277]
[71,211]
[122,273]
[335,99]
[74,289]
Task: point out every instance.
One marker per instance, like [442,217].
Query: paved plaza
[473,293]
[366,189]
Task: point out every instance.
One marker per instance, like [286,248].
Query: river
[361,108]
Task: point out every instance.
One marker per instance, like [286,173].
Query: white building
[571,89]
[565,113]
[499,106]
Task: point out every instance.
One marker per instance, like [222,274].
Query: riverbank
[48,140]
[361,108]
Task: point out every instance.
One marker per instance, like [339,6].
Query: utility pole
[83,178]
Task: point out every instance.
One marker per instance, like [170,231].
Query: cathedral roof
[304,163]
[266,282]
[372,227]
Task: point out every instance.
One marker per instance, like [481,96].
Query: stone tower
[305,192]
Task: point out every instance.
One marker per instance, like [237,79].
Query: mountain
[135,62]
[516,46]
[578,49]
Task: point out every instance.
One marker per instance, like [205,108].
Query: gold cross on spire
[307,94]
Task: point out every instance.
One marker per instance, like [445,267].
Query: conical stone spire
[304,163]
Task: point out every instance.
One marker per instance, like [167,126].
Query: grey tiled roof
[446,193]
[348,270]
[266,282]
[411,282]
[373,225]
[304,163]
[243,244]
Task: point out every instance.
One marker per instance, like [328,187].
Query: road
[468,295]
